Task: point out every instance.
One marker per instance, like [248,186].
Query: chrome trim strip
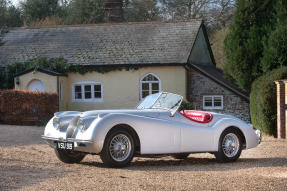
[68,139]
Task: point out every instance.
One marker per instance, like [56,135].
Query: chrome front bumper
[86,146]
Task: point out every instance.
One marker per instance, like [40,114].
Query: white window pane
[88,95]
[217,101]
[98,95]
[98,91]
[78,95]
[208,101]
[97,88]
[145,93]
[155,86]
[145,86]
[88,91]
[78,88]
[78,92]
[150,77]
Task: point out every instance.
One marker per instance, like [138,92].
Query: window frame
[150,84]
[212,101]
[83,84]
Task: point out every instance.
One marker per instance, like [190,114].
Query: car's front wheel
[118,150]
[69,156]
[230,146]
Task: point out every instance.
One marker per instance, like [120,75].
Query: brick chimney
[113,11]
[281,108]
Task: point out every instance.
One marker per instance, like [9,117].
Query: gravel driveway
[28,164]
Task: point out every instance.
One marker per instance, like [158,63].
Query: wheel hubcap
[120,147]
[230,145]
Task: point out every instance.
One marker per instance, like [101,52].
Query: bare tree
[141,10]
[216,13]
[220,13]
[185,9]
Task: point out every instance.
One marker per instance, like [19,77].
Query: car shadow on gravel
[197,164]
[207,164]
[12,135]
[17,177]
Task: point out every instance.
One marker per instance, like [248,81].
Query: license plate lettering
[65,146]
[69,146]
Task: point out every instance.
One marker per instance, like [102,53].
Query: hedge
[263,99]
[24,107]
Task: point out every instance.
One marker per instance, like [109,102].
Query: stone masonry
[232,103]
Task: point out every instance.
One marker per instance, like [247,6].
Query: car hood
[67,117]
[145,112]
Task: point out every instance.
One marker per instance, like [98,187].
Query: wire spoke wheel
[230,145]
[120,147]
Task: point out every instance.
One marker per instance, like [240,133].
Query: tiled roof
[104,44]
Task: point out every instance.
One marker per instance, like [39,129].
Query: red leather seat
[197,116]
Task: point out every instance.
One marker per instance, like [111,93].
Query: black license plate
[65,146]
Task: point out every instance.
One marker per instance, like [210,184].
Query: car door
[160,136]
[195,137]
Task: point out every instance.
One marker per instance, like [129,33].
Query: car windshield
[163,100]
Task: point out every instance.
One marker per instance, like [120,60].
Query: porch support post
[281,110]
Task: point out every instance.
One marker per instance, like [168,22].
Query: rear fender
[247,131]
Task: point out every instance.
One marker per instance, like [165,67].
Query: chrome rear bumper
[259,135]
[86,146]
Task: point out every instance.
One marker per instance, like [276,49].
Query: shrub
[275,52]
[243,46]
[23,107]
[7,73]
[58,64]
[185,105]
[263,100]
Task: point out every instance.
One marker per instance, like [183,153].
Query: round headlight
[81,125]
[56,123]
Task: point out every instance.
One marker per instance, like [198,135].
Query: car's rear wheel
[69,156]
[118,150]
[180,156]
[230,146]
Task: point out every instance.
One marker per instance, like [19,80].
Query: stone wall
[232,104]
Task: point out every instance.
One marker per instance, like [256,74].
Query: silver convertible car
[155,127]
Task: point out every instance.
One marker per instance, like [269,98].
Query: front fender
[248,132]
[107,122]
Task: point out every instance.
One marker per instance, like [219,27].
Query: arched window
[36,85]
[149,84]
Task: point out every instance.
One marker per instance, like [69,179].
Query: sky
[15,2]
